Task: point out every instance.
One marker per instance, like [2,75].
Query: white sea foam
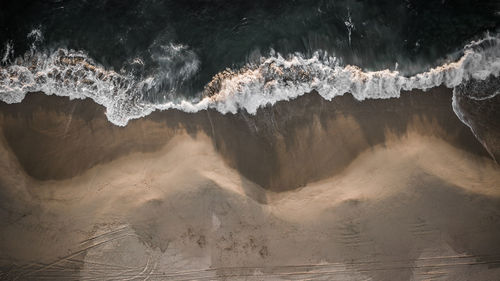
[9,51]
[275,78]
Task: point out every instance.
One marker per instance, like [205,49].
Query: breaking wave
[274,78]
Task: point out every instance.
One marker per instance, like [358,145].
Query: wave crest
[276,78]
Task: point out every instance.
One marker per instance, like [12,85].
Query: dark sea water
[135,57]
[370,34]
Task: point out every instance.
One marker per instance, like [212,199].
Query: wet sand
[281,148]
[395,189]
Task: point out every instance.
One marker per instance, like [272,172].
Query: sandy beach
[395,189]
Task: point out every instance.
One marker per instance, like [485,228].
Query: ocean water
[138,57]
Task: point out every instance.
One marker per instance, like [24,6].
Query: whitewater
[274,78]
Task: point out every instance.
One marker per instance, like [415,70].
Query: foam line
[276,78]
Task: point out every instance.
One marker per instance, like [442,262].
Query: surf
[275,78]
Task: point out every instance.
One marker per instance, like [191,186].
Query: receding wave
[275,78]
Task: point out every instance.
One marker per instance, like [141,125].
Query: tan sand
[403,196]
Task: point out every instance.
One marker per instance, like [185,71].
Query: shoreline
[269,148]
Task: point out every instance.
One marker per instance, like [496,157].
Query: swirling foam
[276,78]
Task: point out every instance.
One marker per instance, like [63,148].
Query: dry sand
[379,190]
